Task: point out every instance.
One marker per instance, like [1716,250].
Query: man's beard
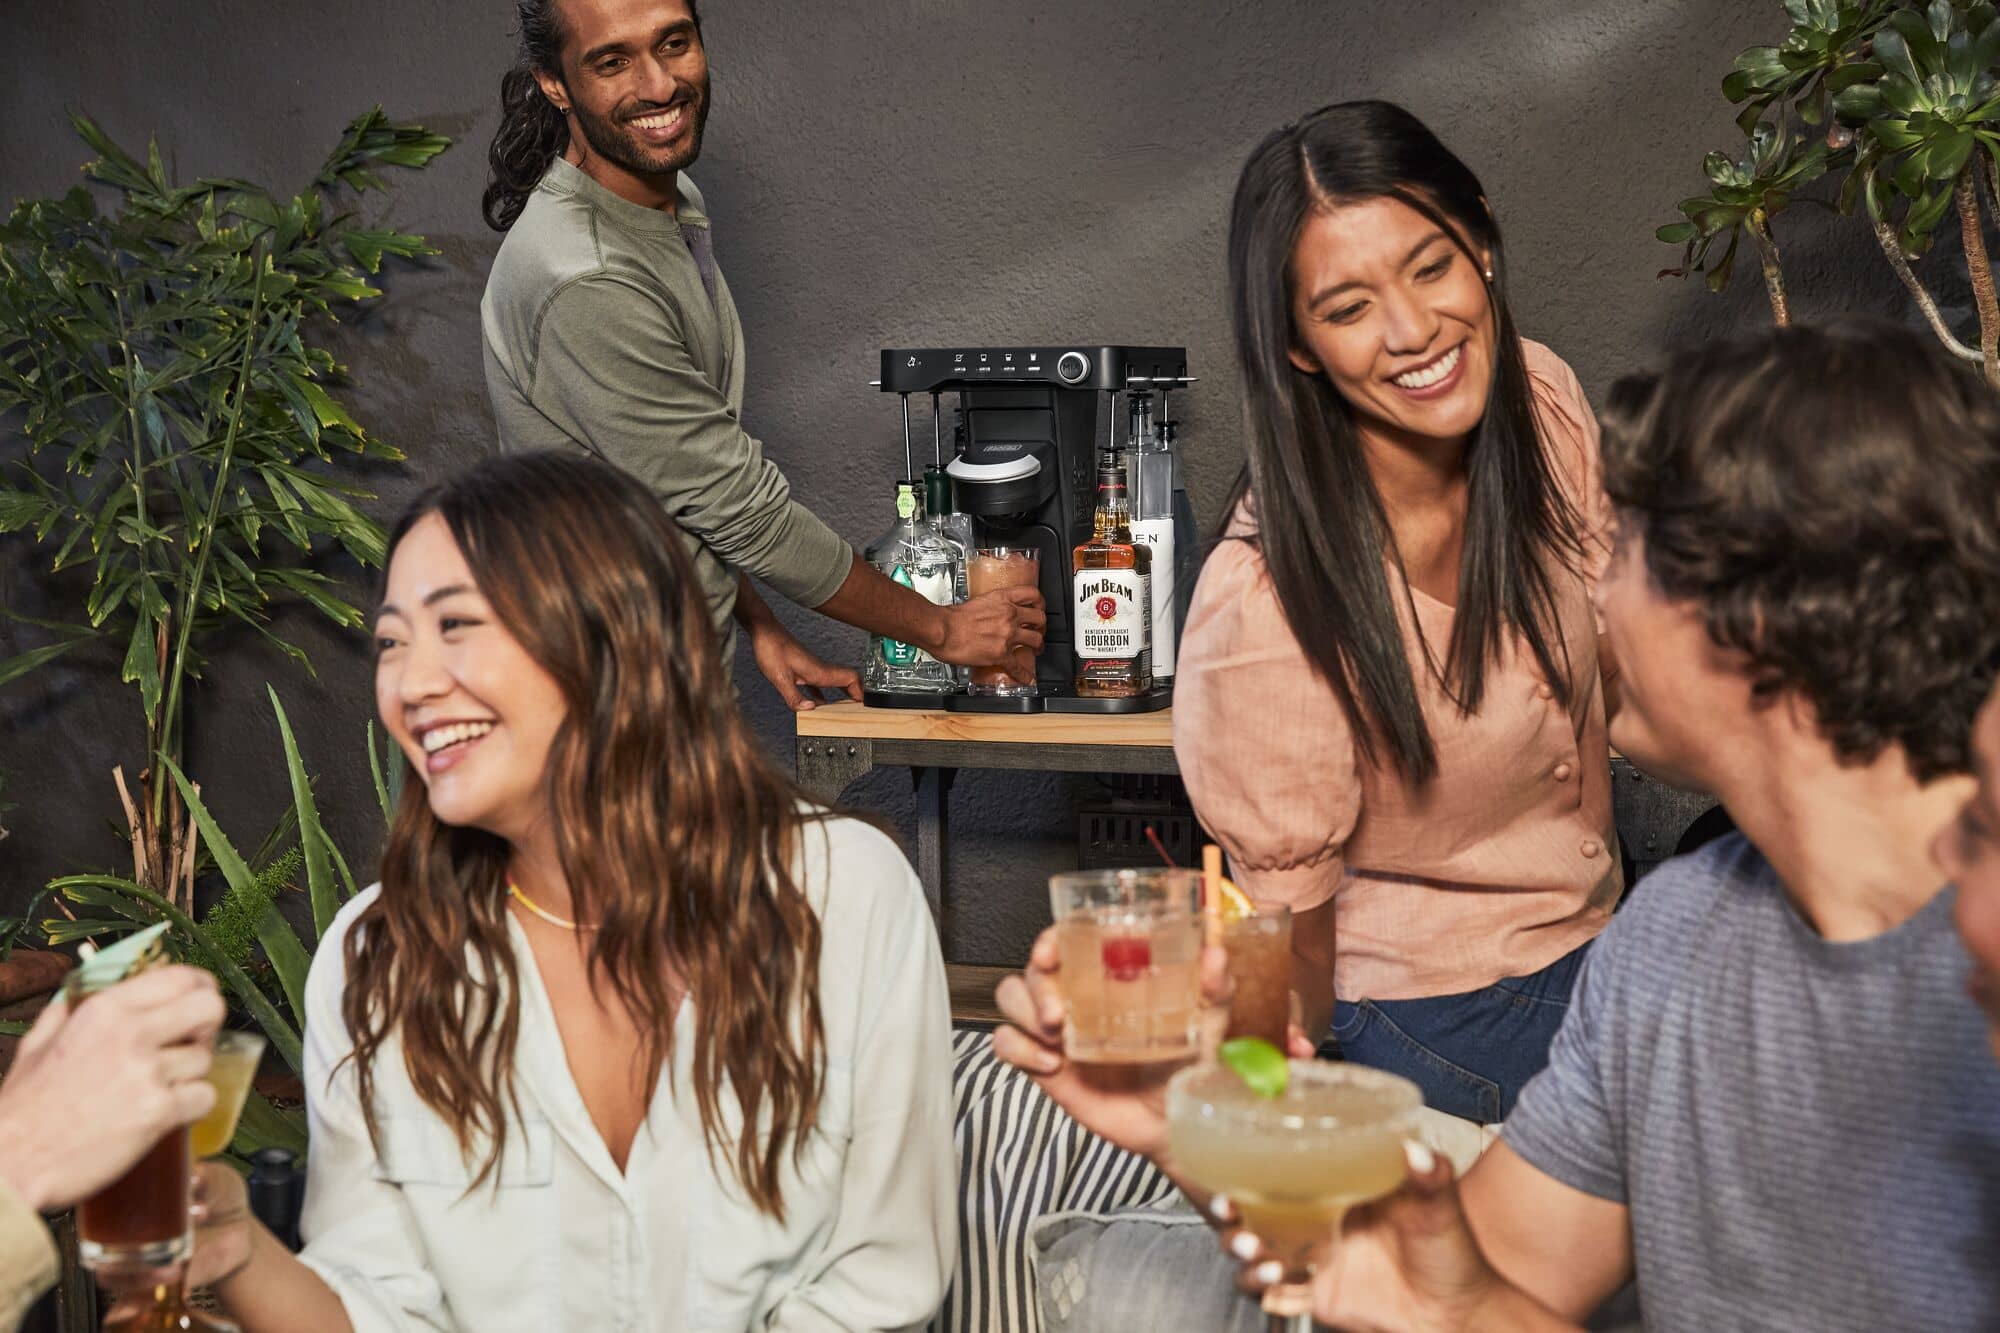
[612,139]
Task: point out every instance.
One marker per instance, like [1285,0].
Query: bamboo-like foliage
[185,444]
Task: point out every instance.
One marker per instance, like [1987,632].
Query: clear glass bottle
[1155,478]
[914,554]
[941,511]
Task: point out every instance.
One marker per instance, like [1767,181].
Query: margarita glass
[1130,947]
[1292,1165]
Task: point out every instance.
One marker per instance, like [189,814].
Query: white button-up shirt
[564,1240]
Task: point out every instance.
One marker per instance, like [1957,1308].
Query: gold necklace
[514,890]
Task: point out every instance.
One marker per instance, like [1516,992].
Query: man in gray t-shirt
[1806,1133]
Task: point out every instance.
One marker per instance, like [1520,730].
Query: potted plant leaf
[187,459]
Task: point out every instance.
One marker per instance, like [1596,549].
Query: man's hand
[987,630]
[1124,1104]
[798,676]
[94,1087]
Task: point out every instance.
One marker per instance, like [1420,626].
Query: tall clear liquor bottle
[1155,476]
[915,555]
[941,511]
[955,531]
[1110,596]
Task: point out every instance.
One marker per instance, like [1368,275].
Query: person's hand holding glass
[1122,992]
[93,1088]
[135,1232]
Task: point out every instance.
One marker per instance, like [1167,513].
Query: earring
[1489,275]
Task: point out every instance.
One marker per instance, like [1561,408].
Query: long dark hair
[674,831]
[532,132]
[1320,521]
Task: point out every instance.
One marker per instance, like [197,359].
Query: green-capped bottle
[915,554]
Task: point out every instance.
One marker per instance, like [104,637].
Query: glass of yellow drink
[236,1057]
[1293,1164]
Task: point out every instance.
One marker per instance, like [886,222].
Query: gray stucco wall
[889,172]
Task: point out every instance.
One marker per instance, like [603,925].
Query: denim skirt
[1471,1053]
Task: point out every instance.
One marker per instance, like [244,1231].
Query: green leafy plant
[185,446]
[249,910]
[1909,94]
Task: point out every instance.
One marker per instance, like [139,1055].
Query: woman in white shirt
[609,935]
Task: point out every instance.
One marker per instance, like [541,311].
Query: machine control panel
[932,369]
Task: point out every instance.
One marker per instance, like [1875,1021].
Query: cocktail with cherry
[1130,945]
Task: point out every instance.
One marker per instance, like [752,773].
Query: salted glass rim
[1240,1109]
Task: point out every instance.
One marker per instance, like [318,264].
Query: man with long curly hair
[609,328]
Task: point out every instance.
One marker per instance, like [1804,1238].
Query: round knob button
[1071,367]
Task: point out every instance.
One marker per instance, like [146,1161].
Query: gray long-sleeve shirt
[600,335]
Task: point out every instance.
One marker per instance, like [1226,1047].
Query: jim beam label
[1111,614]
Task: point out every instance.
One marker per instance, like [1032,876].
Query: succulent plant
[1909,95]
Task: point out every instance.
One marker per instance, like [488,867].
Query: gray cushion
[1136,1271]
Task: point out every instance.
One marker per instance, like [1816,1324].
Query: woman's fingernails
[1221,1209]
[1244,1246]
[1422,1160]
[1269,1273]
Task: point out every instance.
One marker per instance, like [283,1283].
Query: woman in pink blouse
[1390,709]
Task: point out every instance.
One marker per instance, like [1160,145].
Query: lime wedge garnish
[1258,1063]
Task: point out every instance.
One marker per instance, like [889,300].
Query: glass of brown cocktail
[1259,945]
[990,568]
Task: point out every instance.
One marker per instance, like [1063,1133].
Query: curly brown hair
[675,832]
[1830,498]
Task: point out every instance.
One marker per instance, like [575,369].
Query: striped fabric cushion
[1021,1158]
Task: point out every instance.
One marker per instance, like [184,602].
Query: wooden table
[838,743]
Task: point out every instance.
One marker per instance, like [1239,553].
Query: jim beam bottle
[1111,595]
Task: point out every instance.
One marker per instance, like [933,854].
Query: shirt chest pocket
[494,1245]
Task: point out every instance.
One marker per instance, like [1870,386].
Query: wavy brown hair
[675,833]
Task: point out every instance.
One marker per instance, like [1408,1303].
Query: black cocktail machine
[1034,446]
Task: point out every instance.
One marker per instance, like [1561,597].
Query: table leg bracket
[827,767]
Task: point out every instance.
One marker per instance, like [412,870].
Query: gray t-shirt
[1807,1133]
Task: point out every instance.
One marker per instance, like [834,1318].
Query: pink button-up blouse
[1504,862]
